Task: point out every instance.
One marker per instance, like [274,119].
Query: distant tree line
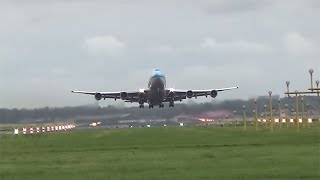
[60,114]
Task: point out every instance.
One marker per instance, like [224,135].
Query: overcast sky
[48,48]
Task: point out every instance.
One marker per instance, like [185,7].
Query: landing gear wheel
[150,106]
[141,106]
[161,106]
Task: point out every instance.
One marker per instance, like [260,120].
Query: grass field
[163,153]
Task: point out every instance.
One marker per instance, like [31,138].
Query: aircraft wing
[177,94]
[130,96]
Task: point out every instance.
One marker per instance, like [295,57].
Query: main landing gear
[150,106]
[141,104]
[171,104]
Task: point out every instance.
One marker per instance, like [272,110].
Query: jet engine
[98,96]
[123,95]
[213,93]
[189,94]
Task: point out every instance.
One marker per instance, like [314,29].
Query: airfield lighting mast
[226,120]
[287,111]
[265,115]
[311,90]
[234,113]
[308,115]
[311,73]
[297,110]
[256,114]
[288,84]
[280,120]
[317,83]
[271,112]
[254,119]
[244,117]
[302,109]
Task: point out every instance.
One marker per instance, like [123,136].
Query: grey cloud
[106,44]
[297,44]
[237,46]
[235,6]
[42,50]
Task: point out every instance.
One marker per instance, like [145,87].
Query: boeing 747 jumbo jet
[156,94]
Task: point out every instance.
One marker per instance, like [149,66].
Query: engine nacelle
[98,96]
[214,93]
[189,94]
[123,95]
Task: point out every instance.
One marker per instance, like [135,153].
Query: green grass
[163,153]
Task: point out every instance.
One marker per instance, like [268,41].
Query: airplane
[156,94]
